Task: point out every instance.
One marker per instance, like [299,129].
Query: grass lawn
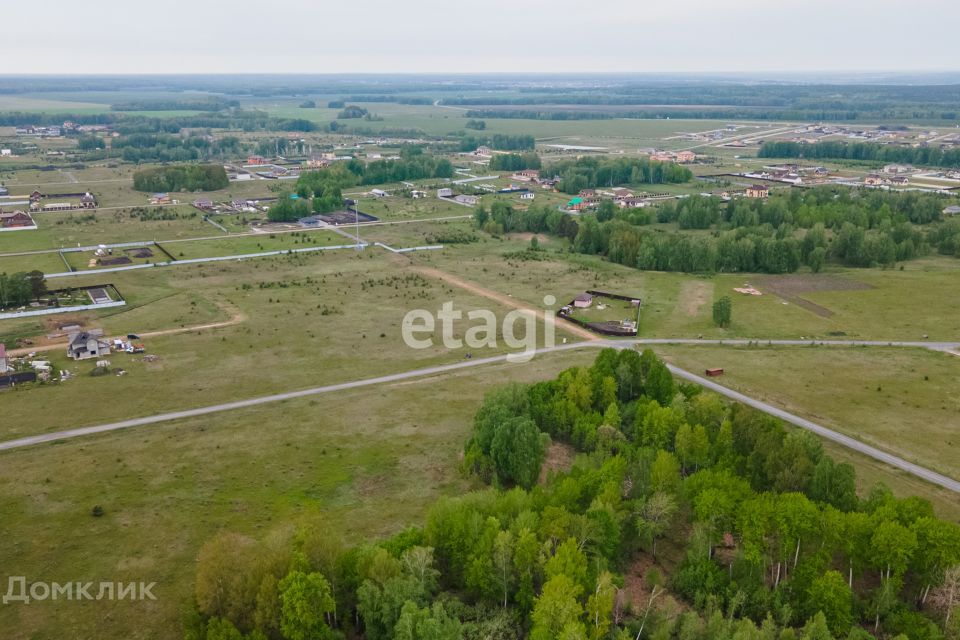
[900,400]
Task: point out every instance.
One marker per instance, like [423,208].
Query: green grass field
[368,462]
[899,400]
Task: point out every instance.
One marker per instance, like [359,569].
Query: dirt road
[505,300]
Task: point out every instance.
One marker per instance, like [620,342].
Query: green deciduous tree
[305,600]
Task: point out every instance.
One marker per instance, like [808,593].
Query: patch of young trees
[498,141]
[591,173]
[20,288]
[185,177]
[768,537]
[514,161]
[352,111]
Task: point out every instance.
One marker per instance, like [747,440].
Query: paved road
[916,344]
[851,443]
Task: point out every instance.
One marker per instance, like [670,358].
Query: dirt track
[505,300]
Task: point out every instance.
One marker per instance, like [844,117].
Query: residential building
[416,195]
[632,203]
[317,162]
[527,195]
[86,345]
[378,193]
[527,175]
[446,192]
[161,198]
[483,152]
[3,359]
[87,201]
[684,157]
[952,210]
[16,220]
[256,160]
[898,168]
[204,204]
[758,191]
[875,180]
[621,193]
[467,200]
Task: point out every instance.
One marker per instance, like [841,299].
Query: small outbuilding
[715,372]
[583,301]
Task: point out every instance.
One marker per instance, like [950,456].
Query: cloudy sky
[343,36]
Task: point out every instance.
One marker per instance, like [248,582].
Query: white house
[446,192]
[528,195]
[86,345]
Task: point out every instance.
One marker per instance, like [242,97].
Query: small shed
[714,372]
[583,301]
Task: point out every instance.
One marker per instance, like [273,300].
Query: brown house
[758,191]
[15,220]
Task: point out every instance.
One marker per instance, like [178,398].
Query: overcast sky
[343,36]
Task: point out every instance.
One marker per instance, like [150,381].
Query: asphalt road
[851,443]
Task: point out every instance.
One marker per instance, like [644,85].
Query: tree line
[806,227]
[186,177]
[592,172]
[928,156]
[498,141]
[211,103]
[21,288]
[767,536]
[514,161]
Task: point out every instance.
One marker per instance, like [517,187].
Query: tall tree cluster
[767,537]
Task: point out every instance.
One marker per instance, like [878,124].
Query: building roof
[584,297]
[577,200]
[952,209]
[3,350]
[82,338]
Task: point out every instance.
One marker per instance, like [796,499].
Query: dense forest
[757,532]
[805,227]
[187,177]
[928,156]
